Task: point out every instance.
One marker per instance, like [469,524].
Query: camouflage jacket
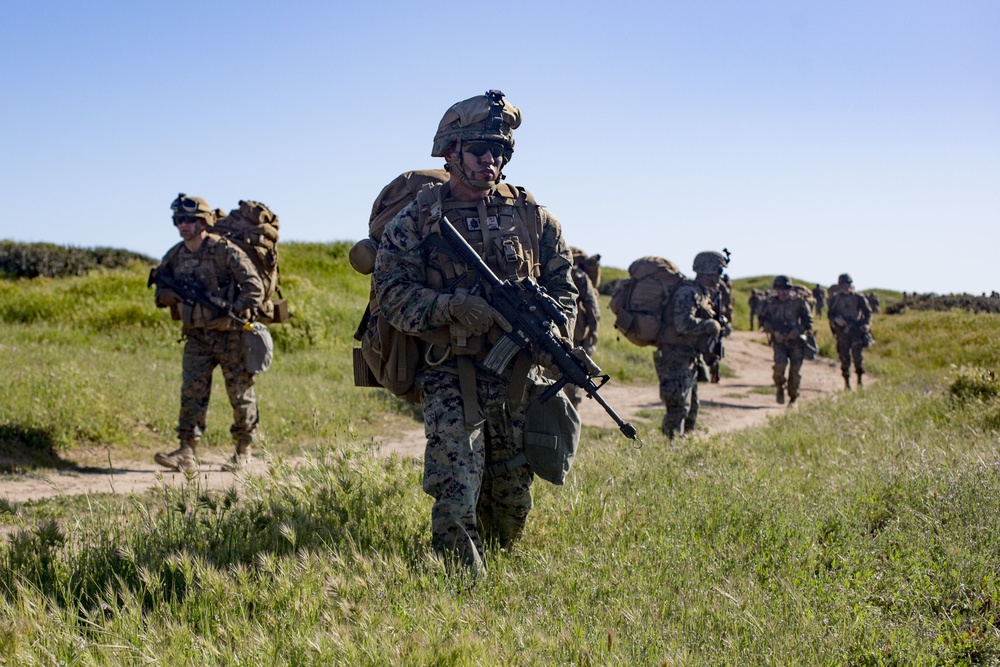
[588,312]
[851,307]
[222,270]
[689,309]
[412,278]
[779,318]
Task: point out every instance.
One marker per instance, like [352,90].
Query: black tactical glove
[475,314]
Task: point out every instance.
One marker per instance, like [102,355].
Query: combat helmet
[192,207]
[781,282]
[487,117]
[844,279]
[710,262]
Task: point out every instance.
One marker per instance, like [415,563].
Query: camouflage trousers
[203,351]
[790,356]
[851,347]
[677,369]
[476,499]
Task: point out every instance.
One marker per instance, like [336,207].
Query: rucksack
[638,301]
[253,227]
[387,356]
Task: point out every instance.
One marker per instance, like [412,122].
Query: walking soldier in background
[474,464]
[819,294]
[208,284]
[588,311]
[787,318]
[691,328]
[850,318]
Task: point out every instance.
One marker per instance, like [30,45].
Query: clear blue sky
[809,138]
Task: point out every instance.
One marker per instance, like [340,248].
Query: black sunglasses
[187,219]
[480,148]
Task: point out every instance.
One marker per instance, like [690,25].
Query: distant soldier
[756,299]
[691,328]
[787,318]
[873,302]
[211,338]
[722,303]
[819,294]
[850,320]
[588,312]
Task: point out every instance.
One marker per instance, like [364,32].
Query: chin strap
[455,168]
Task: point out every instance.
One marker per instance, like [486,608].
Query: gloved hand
[710,327]
[840,322]
[544,359]
[167,297]
[475,314]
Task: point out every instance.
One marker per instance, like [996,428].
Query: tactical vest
[210,267]
[508,242]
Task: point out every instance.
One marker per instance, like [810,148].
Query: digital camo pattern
[203,351]
[467,501]
[856,311]
[470,507]
[676,365]
[785,320]
[223,270]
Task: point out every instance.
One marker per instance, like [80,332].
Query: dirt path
[731,404]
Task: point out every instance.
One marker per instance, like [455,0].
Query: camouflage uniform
[477,499]
[786,321]
[588,317]
[224,271]
[677,361]
[852,339]
[819,294]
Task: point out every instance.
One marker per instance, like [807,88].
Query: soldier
[875,304]
[588,312]
[787,318]
[473,462]
[227,275]
[756,298]
[819,294]
[850,320]
[722,304]
[691,328]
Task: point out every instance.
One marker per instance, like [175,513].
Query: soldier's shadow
[25,448]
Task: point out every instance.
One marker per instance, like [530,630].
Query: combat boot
[181,459]
[779,394]
[860,373]
[791,398]
[240,460]
[847,382]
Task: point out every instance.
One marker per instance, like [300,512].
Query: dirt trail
[731,404]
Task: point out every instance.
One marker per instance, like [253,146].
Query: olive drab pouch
[253,228]
[638,301]
[392,357]
[258,348]
[551,432]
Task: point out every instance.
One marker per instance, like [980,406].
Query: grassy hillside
[859,530]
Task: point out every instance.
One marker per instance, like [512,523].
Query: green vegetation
[860,530]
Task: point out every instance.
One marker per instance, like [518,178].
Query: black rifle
[191,292]
[531,313]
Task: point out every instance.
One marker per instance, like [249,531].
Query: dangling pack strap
[470,397]
[506,467]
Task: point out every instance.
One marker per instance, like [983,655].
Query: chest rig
[504,229]
[208,267]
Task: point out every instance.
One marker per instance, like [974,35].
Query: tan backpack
[638,301]
[253,227]
[387,357]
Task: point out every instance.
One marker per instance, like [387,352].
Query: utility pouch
[551,433]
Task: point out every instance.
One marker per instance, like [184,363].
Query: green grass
[859,530]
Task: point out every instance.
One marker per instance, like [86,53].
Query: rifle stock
[532,313]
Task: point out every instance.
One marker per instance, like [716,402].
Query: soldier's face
[783,294]
[189,228]
[482,160]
